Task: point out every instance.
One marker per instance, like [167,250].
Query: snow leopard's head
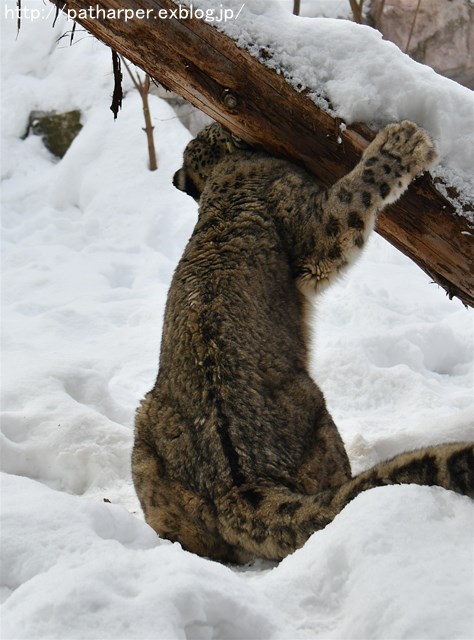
[201,156]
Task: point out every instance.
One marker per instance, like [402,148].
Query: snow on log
[207,68]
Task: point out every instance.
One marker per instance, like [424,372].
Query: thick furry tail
[271,521]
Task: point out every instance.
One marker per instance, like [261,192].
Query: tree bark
[207,68]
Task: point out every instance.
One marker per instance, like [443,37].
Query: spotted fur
[235,452]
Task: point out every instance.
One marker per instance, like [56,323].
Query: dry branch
[143,89]
[207,68]
[356,8]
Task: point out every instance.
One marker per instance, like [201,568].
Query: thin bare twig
[143,89]
[55,17]
[73,31]
[132,77]
[148,129]
[18,17]
[412,26]
[296,7]
[357,10]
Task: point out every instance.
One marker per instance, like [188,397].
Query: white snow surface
[89,246]
[351,72]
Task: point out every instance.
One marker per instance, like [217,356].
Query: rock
[58,130]
[443,35]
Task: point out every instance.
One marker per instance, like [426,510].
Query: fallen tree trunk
[207,68]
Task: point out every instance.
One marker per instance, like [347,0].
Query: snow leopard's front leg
[347,211]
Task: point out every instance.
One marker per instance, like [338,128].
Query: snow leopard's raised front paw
[398,154]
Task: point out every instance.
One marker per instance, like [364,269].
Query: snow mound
[73,568]
[76,569]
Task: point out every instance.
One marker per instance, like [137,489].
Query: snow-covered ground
[89,247]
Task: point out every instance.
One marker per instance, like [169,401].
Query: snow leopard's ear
[183,181]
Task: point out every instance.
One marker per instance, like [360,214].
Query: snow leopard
[235,454]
